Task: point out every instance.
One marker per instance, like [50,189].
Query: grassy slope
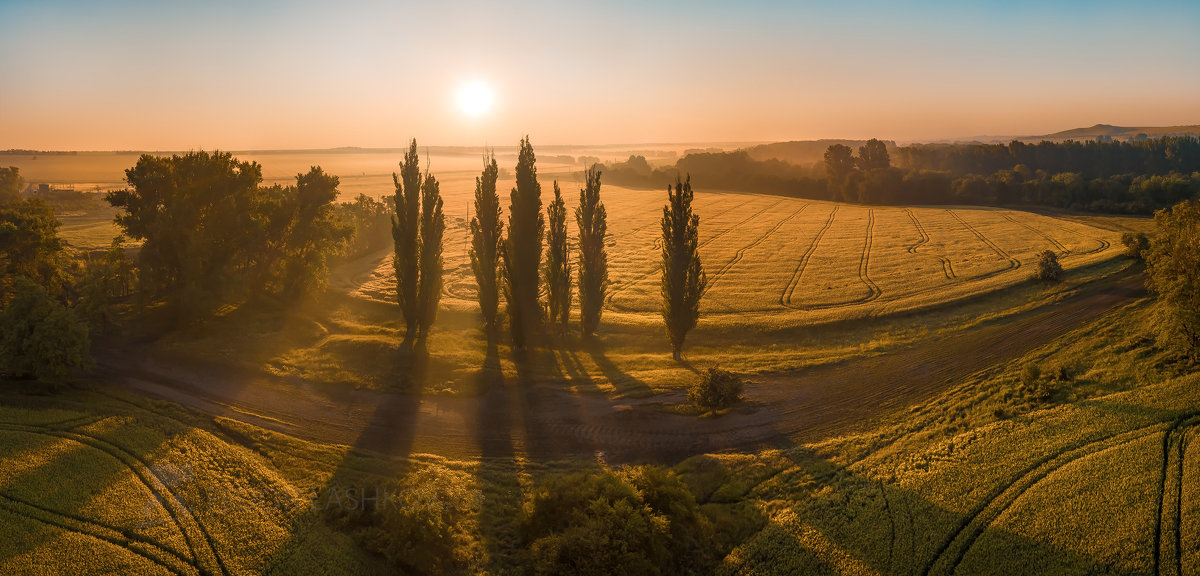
[985,478]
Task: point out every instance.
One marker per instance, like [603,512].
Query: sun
[474,98]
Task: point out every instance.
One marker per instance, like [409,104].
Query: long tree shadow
[622,383]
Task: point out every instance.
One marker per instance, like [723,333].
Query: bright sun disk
[474,98]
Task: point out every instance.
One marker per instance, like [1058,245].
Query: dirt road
[544,422]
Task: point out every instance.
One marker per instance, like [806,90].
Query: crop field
[772,259]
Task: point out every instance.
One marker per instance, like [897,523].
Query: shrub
[642,520]
[1048,268]
[39,337]
[1135,244]
[716,389]
[1033,386]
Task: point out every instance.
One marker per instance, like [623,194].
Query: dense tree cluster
[1123,177]
[1173,272]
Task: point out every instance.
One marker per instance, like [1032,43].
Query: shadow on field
[622,382]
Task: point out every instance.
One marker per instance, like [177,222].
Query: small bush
[1136,244]
[1048,268]
[716,389]
[1033,386]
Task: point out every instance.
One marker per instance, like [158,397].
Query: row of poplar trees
[511,264]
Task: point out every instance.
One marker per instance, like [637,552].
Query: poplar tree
[683,278]
[486,242]
[522,251]
[433,228]
[558,263]
[407,240]
[592,222]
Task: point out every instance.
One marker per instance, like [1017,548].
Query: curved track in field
[741,253]
[864,275]
[200,543]
[785,299]
[947,266]
[617,289]
[1013,263]
[1062,249]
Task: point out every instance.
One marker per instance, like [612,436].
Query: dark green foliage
[11,184]
[640,520]
[1030,375]
[486,240]
[1034,386]
[522,252]
[557,269]
[1136,244]
[105,277]
[873,156]
[592,222]
[433,227]
[316,233]
[370,219]
[406,222]
[202,221]
[30,247]
[1047,267]
[683,278]
[1173,272]
[839,163]
[39,337]
[716,389]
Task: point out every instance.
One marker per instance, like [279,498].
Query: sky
[171,75]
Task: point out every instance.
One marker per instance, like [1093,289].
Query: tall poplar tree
[433,228]
[683,278]
[558,263]
[522,252]
[592,222]
[406,237]
[486,245]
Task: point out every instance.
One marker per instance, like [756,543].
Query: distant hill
[1117,132]
[802,152]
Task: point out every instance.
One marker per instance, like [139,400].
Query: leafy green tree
[522,252]
[406,223]
[873,156]
[200,217]
[30,247]
[433,228]
[1047,267]
[315,233]
[1173,272]
[1136,244]
[839,164]
[39,337]
[104,278]
[486,242]
[558,263]
[591,220]
[11,184]
[683,278]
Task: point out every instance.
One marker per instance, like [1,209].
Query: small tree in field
[486,240]
[1048,268]
[558,264]
[716,389]
[592,221]
[683,278]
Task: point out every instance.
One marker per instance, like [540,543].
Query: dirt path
[544,422]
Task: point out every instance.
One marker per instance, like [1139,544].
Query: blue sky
[119,75]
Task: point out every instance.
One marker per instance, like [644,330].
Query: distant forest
[1133,177]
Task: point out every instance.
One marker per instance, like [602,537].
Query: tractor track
[947,266]
[179,513]
[618,288]
[113,535]
[1065,251]
[1013,263]
[785,299]
[976,522]
[737,257]
[1175,438]
[864,261]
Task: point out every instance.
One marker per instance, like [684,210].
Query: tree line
[1116,177]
